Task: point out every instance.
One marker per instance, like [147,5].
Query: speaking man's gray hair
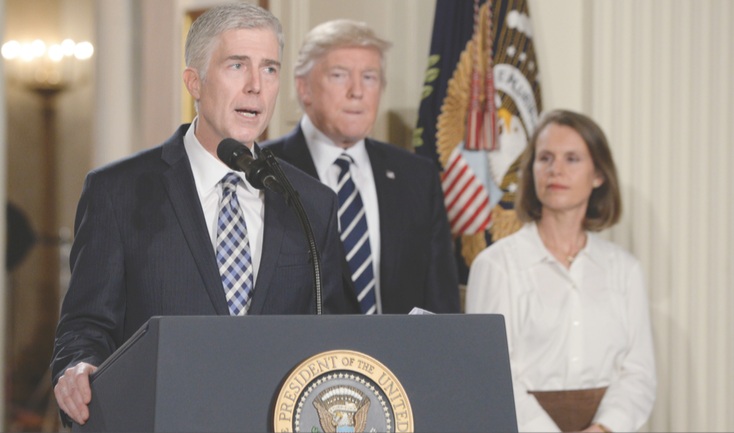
[205,31]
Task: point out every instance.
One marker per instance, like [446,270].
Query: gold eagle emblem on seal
[342,391]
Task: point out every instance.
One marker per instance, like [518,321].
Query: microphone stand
[294,201]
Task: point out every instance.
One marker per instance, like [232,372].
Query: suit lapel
[389,202]
[179,182]
[273,228]
[296,152]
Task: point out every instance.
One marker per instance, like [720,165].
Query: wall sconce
[37,67]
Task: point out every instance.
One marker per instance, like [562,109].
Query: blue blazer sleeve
[92,314]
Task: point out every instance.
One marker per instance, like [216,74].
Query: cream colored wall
[558,29]
[160,80]
[115,126]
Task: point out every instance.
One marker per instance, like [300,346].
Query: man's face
[237,99]
[341,94]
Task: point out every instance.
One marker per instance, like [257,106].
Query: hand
[73,393]
[596,428]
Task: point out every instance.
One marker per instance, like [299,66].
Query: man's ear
[193,82]
[303,91]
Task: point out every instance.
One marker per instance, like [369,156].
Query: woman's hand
[596,428]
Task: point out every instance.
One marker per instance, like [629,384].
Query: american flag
[466,199]
[481,101]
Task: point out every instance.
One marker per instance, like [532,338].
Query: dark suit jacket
[417,265]
[142,249]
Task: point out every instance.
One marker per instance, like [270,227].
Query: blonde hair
[338,34]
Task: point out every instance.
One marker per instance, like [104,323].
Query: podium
[216,373]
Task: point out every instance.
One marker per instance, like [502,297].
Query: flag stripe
[481,209]
[456,180]
[477,189]
[461,192]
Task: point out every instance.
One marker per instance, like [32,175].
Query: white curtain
[661,84]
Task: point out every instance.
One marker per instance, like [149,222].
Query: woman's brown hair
[605,203]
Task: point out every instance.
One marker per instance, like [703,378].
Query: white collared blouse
[583,327]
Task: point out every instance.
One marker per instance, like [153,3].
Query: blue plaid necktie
[233,249]
[355,236]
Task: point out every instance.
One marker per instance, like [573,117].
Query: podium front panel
[224,373]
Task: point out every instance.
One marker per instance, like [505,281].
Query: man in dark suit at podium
[393,220]
[173,231]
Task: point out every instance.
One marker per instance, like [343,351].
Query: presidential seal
[342,391]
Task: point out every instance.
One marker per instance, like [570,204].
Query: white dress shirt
[583,327]
[208,172]
[324,153]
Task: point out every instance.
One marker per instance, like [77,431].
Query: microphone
[238,157]
[266,172]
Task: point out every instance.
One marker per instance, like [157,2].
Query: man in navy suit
[340,75]
[149,229]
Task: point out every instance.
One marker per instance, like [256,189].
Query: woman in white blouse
[575,305]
